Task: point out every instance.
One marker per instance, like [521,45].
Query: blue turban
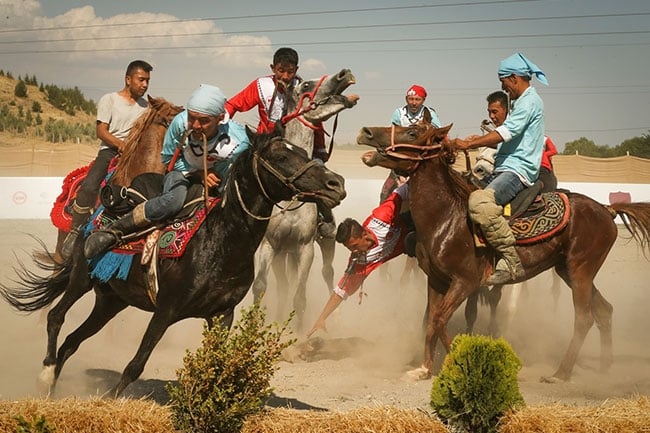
[207,99]
[518,64]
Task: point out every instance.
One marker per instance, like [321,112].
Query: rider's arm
[102,133]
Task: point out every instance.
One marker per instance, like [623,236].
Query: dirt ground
[369,345]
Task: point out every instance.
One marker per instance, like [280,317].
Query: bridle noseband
[288,181]
[428,150]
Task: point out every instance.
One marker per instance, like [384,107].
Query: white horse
[289,240]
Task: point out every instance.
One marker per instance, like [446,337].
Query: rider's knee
[482,206]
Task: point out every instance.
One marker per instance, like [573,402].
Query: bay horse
[207,281]
[141,155]
[288,245]
[456,268]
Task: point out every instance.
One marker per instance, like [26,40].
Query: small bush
[228,377]
[477,384]
[39,425]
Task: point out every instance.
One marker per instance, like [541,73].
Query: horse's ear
[278,130]
[442,132]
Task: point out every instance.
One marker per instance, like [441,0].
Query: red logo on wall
[19,197]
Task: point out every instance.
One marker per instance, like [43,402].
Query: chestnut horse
[141,155]
[456,268]
[207,281]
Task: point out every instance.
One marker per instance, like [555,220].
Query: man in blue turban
[204,127]
[520,143]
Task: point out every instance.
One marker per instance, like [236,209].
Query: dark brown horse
[455,267]
[208,281]
[141,155]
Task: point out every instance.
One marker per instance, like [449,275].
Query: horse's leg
[327,249]
[78,285]
[603,311]
[425,371]
[581,289]
[555,290]
[305,259]
[106,307]
[471,310]
[514,293]
[155,330]
[57,256]
[265,255]
[494,297]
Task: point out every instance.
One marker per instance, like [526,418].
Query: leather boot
[326,224]
[487,214]
[108,237]
[80,216]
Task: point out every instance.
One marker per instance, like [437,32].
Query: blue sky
[596,54]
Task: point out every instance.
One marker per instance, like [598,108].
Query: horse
[289,240]
[141,155]
[207,281]
[456,267]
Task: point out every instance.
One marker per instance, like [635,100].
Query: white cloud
[17,14]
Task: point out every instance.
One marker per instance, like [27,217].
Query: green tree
[21,89]
[36,107]
[636,146]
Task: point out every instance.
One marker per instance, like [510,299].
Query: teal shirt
[523,138]
[230,141]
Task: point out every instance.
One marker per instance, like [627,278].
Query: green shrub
[38,425]
[228,377]
[477,383]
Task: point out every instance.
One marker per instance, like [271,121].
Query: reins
[287,181]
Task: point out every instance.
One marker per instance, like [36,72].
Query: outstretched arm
[329,308]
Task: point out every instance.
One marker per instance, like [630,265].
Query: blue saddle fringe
[108,265]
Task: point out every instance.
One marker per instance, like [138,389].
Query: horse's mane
[131,142]
[461,186]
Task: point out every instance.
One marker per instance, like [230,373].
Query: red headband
[416,90]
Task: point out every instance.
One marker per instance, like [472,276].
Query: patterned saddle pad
[548,215]
[174,237]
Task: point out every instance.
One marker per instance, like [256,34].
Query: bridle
[288,181]
[301,109]
[428,150]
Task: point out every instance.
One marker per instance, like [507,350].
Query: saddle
[534,217]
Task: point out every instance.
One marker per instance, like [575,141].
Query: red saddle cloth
[547,216]
[174,238]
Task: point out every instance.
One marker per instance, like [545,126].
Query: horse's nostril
[366,131]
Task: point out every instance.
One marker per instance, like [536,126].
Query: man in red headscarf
[415,111]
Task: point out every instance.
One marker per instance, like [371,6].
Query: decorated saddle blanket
[173,238]
[548,214]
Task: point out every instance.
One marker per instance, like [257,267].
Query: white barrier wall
[32,197]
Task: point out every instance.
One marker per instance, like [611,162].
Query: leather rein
[427,151]
[288,181]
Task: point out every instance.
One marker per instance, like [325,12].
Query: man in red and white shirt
[380,239]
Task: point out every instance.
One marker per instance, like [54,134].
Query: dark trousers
[89,188]
[548,179]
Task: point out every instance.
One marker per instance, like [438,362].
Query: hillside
[11,107]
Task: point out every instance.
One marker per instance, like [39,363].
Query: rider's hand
[212,180]
[320,324]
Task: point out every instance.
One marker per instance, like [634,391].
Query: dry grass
[112,416]
[614,416]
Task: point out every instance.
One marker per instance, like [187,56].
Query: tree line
[17,119]
[635,146]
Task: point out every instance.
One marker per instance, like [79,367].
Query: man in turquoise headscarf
[225,139]
[520,144]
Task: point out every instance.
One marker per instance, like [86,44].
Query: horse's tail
[636,218]
[36,291]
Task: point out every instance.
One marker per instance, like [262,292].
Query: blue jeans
[506,185]
[170,202]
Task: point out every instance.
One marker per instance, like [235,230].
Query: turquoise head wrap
[518,64]
[207,99]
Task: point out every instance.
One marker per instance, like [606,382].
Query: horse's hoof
[550,379]
[420,373]
[45,381]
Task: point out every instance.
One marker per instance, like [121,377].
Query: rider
[520,144]
[204,118]
[498,111]
[268,94]
[380,239]
[116,113]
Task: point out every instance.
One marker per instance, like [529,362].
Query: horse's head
[318,100]
[285,172]
[162,110]
[402,148]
